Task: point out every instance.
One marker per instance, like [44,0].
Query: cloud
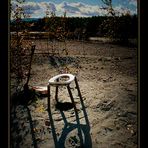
[52,7]
[49,6]
[133,2]
[91,10]
[30,7]
[75,9]
[123,10]
[14,4]
[68,7]
[80,9]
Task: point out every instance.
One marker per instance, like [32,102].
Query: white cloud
[80,9]
[133,2]
[13,4]
[68,7]
[38,9]
[122,10]
[30,7]
[92,10]
[52,7]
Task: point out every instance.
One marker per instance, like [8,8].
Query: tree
[109,7]
[116,27]
[21,51]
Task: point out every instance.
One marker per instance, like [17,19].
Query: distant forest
[122,27]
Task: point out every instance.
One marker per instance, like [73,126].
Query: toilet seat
[54,81]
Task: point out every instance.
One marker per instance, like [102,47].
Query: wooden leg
[48,98]
[71,96]
[56,94]
[77,87]
[51,119]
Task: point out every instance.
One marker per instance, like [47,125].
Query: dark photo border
[4,34]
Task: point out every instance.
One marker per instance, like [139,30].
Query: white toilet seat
[54,80]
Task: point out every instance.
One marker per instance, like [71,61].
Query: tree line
[121,27]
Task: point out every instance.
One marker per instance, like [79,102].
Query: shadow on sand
[22,99]
[82,139]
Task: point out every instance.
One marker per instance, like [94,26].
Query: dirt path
[107,75]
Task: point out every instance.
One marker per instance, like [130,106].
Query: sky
[74,8]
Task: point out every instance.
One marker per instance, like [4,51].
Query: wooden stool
[66,80]
[63,80]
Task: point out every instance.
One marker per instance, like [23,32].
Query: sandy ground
[106,117]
